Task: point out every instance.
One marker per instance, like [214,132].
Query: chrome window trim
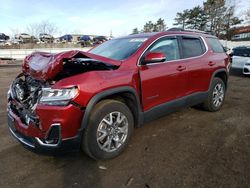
[174,35]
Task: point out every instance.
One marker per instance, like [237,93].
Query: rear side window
[192,47]
[215,45]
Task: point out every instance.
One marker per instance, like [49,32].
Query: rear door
[166,81]
[197,63]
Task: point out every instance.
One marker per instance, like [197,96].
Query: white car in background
[44,37]
[23,37]
[241,59]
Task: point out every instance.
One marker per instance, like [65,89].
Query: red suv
[93,100]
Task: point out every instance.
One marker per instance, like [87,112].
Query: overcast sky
[93,17]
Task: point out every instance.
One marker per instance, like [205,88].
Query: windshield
[245,52]
[119,49]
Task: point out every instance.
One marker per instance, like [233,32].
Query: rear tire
[216,96]
[110,127]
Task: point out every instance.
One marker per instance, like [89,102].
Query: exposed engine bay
[76,66]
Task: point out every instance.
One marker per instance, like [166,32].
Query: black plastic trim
[174,105]
[219,71]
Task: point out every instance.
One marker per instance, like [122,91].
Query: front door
[166,81]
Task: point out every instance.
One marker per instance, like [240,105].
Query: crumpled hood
[45,66]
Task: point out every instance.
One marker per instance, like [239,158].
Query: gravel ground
[189,148]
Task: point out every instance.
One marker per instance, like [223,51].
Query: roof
[241,47]
[244,29]
[169,32]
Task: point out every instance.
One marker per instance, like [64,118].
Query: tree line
[152,27]
[215,16]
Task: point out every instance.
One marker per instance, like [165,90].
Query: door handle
[211,63]
[181,68]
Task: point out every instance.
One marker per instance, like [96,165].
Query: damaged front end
[40,115]
[46,66]
[25,93]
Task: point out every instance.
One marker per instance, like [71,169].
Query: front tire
[216,96]
[110,127]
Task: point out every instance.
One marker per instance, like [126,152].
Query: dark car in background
[4,37]
[66,38]
[99,40]
[85,41]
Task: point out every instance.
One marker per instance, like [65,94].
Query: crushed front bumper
[55,131]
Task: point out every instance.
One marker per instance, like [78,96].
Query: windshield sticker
[138,40]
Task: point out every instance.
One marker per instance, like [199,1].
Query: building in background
[241,34]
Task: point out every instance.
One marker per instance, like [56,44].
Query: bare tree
[43,27]
[47,27]
[14,31]
[247,17]
[33,29]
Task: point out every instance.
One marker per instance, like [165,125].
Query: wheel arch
[222,74]
[126,94]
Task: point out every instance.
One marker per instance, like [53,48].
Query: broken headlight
[58,97]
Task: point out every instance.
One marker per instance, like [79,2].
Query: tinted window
[241,52]
[215,45]
[119,49]
[168,46]
[192,47]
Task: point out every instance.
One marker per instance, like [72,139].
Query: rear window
[216,45]
[192,47]
[245,52]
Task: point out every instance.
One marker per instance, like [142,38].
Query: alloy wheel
[112,131]
[218,95]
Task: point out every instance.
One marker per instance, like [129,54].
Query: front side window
[192,47]
[168,46]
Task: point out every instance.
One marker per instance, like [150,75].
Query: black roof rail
[175,29]
[188,30]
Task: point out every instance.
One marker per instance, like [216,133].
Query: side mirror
[153,57]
